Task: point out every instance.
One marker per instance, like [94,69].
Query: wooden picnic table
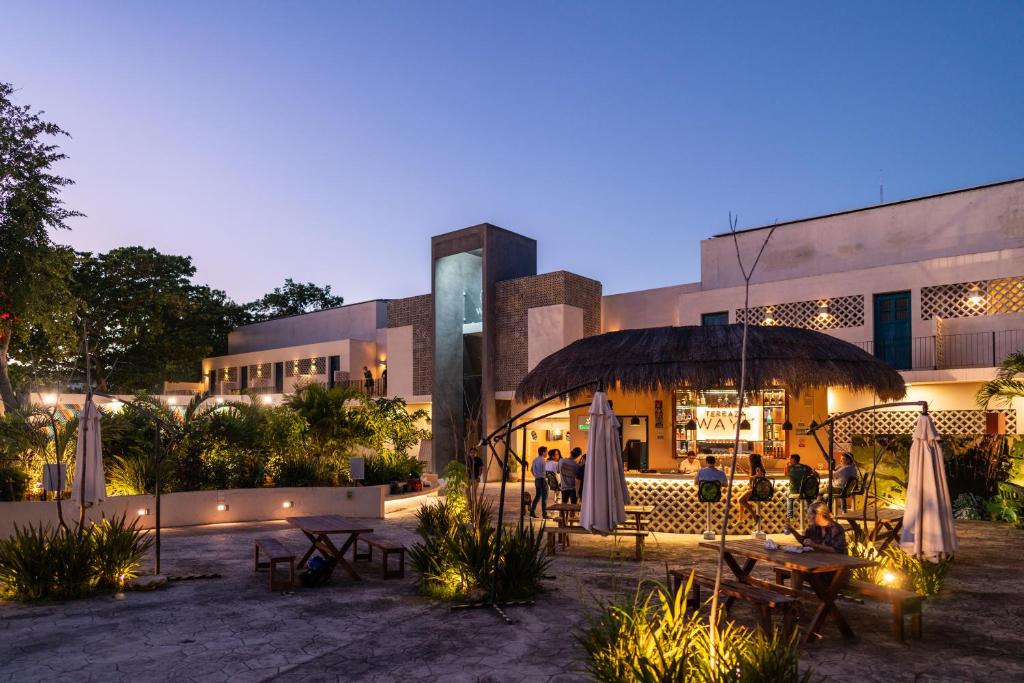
[826,573]
[564,510]
[319,528]
[886,524]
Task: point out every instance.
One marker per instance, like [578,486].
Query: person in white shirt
[689,464]
[538,466]
[709,472]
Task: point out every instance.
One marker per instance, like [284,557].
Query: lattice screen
[228,374]
[261,376]
[972,299]
[952,422]
[819,314]
[306,366]
[677,510]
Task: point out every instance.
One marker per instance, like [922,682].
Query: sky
[327,142]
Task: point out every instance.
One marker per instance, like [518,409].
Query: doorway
[633,433]
[892,329]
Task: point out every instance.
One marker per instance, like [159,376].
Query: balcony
[949,351]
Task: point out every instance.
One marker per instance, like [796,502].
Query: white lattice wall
[818,314]
[971,299]
[952,422]
[305,367]
[677,510]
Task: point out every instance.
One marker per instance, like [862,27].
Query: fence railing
[948,351]
[376,388]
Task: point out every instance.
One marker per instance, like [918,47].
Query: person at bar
[843,475]
[797,472]
[754,470]
[567,470]
[710,472]
[689,464]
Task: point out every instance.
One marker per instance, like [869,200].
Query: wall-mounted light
[768,320]
[287,504]
[219,400]
[823,310]
[172,401]
[975,298]
[142,512]
[267,400]
[50,399]
[222,507]
[115,406]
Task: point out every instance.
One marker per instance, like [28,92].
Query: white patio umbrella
[88,459]
[928,531]
[604,481]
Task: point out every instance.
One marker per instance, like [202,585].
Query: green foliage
[390,427]
[298,469]
[44,562]
[389,466]
[524,562]
[894,567]
[456,479]
[1006,386]
[292,299]
[967,506]
[118,549]
[13,483]
[648,638]
[333,426]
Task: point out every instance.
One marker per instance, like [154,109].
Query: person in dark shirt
[824,533]
[796,472]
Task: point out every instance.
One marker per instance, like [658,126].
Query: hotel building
[933,285]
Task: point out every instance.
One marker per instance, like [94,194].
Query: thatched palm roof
[707,357]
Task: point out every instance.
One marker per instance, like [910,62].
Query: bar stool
[809,487]
[709,492]
[762,490]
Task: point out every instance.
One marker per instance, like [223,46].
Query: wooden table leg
[309,553]
[827,604]
[338,554]
[741,573]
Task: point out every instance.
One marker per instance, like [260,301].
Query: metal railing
[376,388]
[948,351]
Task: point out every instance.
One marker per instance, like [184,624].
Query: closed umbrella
[605,495]
[928,531]
[88,459]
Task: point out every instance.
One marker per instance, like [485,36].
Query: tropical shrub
[391,466]
[13,483]
[44,562]
[650,638]
[297,469]
[523,563]
[894,567]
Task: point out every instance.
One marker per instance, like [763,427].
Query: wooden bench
[387,549]
[763,599]
[903,602]
[277,554]
[554,532]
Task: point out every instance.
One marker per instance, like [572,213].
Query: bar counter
[677,510]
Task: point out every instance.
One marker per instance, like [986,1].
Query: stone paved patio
[233,629]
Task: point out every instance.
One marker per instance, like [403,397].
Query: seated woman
[824,533]
[756,470]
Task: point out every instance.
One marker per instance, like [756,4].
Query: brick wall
[417,311]
[513,298]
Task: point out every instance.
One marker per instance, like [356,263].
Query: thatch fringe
[708,357]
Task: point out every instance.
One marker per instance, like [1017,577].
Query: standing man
[567,472]
[475,471]
[368,380]
[540,484]
[580,471]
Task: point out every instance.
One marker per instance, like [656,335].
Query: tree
[291,299]
[391,428]
[1007,384]
[148,322]
[33,271]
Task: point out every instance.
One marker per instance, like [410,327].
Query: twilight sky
[329,141]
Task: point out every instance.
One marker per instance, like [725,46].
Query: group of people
[823,532]
[553,472]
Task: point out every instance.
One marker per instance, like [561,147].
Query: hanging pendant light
[691,425]
[635,421]
[745,423]
[787,426]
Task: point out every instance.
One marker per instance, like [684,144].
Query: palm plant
[1007,385]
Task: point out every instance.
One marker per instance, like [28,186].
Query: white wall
[551,328]
[355,321]
[200,507]
[979,220]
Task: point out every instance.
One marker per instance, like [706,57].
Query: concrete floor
[234,629]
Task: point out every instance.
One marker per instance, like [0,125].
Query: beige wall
[400,361]
[200,507]
[551,328]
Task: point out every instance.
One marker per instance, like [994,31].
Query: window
[716,318]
